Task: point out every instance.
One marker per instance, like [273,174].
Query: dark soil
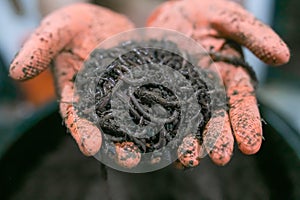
[125,58]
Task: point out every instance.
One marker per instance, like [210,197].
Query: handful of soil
[148,103]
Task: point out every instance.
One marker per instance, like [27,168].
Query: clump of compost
[147,103]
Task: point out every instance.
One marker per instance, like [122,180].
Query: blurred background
[39,160]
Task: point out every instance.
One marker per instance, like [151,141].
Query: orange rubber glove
[67,36]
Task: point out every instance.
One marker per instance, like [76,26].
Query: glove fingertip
[128,155]
[190,151]
[221,151]
[90,139]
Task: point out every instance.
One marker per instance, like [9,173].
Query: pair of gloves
[67,36]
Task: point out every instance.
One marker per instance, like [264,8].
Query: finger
[203,19]
[78,28]
[244,114]
[218,139]
[86,134]
[127,154]
[54,33]
[190,151]
[234,22]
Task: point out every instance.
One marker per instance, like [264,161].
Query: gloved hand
[67,36]
[220,26]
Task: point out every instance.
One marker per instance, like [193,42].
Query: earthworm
[148,94]
[66,37]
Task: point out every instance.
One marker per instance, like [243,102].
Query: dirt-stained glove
[221,26]
[67,36]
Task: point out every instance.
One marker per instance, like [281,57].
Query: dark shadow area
[46,164]
[278,162]
[28,152]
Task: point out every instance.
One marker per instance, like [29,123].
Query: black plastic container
[46,164]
